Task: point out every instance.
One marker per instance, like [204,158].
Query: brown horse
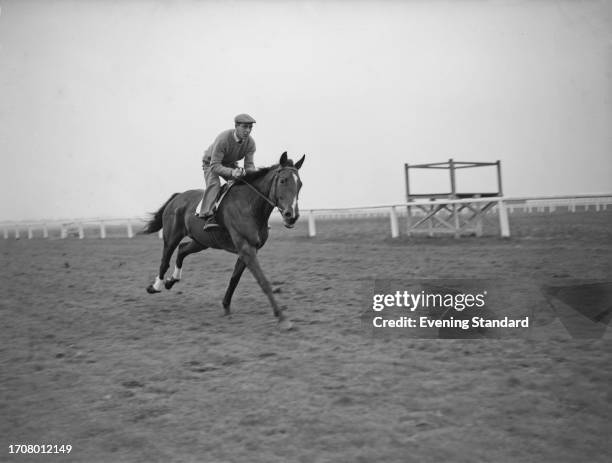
[243,215]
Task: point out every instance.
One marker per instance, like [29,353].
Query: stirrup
[211,222]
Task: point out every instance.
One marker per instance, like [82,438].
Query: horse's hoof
[169,283]
[152,290]
[285,325]
[226,309]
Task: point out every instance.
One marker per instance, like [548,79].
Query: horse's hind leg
[170,244]
[184,250]
[227,299]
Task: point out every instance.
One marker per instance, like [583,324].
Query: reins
[261,195]
[272,189]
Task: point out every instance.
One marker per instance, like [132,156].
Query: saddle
[222,192]
[220,195]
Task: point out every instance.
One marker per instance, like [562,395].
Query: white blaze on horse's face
[296,180]
[288,189]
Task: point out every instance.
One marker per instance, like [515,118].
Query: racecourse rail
[414,212]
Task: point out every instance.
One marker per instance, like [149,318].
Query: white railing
[98,227]
[80,228]
[503,206]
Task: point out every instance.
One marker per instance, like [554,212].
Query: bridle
[271,198]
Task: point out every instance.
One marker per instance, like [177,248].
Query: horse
[243,218]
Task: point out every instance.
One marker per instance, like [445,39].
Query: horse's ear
[300,162]
[283,159]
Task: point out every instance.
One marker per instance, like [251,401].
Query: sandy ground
[90,359]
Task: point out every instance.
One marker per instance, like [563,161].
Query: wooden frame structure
[439,216]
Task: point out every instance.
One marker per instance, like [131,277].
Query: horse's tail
[155,224]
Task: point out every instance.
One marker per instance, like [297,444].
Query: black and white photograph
[278,231]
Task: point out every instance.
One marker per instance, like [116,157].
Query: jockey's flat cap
[244,119]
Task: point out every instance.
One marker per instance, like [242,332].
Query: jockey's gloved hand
[238,172]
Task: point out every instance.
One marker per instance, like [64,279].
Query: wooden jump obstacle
[439,215]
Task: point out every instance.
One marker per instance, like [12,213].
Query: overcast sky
[107,106]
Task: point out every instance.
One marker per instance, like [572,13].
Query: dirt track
[89,359]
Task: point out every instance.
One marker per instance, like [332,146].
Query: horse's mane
[261,172]
[256,174]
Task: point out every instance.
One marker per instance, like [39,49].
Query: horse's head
[286,187]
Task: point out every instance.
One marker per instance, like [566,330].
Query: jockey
[221,160]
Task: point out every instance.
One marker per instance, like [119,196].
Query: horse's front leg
[238,269]
[248,254]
